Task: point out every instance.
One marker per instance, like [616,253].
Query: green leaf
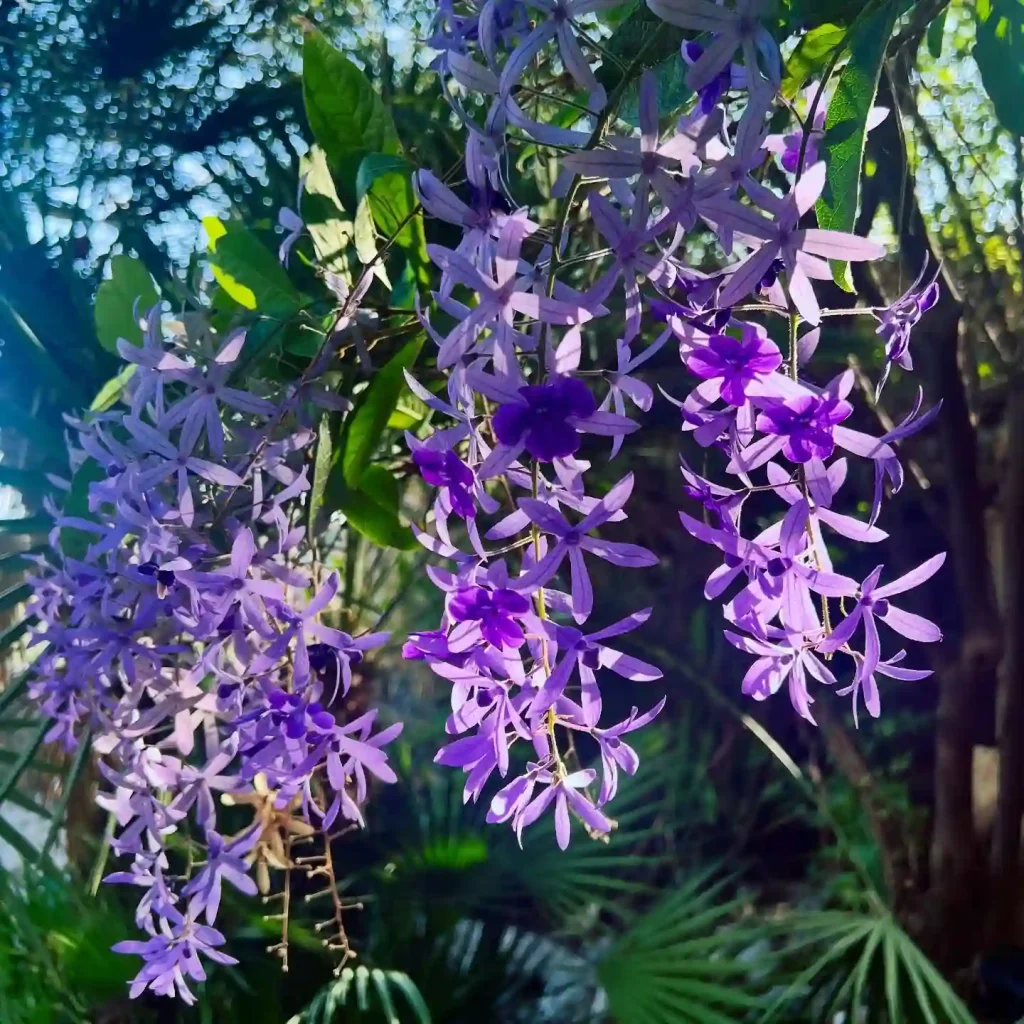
[673,92]
[813,52]
[75,542]
[412,994]
[642,35]
[386,183]
[370,420]
[128,291]
[347,117]
[936,33]
[378,524]
[323,462]
[403,294]
[378,165]
[382,486]
[366,235]
[846,126]
[111,392]
[325,218]
[999,53]
[679,962]
[246,269]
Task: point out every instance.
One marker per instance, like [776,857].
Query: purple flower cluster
[180,640]
[521,413]
[522,405]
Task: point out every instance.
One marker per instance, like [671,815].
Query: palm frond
[689,959]
[861,966]
[370,992]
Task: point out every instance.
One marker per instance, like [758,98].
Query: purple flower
[293,225]
[544,421]
[649,159]
[173,955]
[588,653]
[492,614]
[572,541]
[630,263]
[896,322]
[564,792]
[558,25]
[784,585]
[874,603]
[803,251]
[500,297]
[732,76]
[225,861]
[176,460]
[787,147]
[786,657]
[448,471]
[735,362]
[807,423]
[865,685]
[733,28]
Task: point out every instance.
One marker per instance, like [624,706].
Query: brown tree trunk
[1006,874]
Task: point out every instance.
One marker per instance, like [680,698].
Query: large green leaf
[370,420]
[325,218]
[322,464]
[247,270]
[846,125]
[347,117]
[641,37]
[812,53]
[369,512]
[121,300]
[999,52]
[385,181]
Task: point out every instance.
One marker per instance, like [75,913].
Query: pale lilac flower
[732,28]
[786,657]
[804,251]
[896,322]
[874,603]
[572,541]
[565,793]
[558,26]
[645,157]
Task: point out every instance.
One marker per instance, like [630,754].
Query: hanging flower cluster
[521,403]
[181,641]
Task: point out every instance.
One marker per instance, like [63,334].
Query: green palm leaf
[369,992]
[861,966]
[687,960]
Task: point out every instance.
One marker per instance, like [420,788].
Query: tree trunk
[1005,910]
